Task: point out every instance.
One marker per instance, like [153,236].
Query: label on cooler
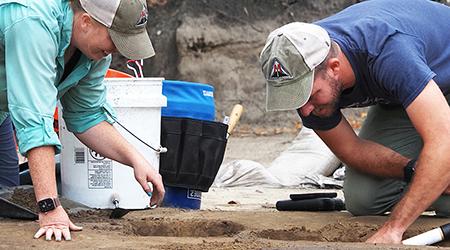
[194,194]
[79,156]
[99,168]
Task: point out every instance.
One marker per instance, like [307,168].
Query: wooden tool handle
[234,117]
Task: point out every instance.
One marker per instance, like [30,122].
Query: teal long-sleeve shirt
[34,35]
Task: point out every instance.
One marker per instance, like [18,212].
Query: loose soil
[190,47]
[235,218]
[166,228]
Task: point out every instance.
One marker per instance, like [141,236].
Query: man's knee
[359,202]
[369,195]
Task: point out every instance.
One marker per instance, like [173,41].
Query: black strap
[409,170]
[70,65]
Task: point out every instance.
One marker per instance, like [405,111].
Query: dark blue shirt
[395,47]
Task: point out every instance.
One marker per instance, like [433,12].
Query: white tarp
[307,156]
[306,163]
[244,173]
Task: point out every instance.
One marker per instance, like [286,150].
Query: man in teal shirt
[60,50]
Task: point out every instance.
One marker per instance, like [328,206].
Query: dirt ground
[190,47]
[181,229]
[230,218]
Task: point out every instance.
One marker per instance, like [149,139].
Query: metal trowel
[117,212]
[11,210]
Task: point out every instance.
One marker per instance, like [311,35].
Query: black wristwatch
[409,170]
[48,204]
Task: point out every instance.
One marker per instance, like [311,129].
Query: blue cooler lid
[188,100]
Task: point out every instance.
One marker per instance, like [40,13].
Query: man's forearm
[432,177]
[107,141]
[363,155]
[376,159]
[41,161]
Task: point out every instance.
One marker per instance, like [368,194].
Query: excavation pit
[183,228]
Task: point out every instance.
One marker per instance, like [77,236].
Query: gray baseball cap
[288,60]
[126,21]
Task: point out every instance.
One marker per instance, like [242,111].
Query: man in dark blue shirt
[394,55]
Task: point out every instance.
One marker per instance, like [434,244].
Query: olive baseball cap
[288,60]
[126,21]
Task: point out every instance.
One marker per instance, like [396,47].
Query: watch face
[46,205]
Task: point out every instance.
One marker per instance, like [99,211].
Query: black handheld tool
[312,202]
[316,204]
[297,197]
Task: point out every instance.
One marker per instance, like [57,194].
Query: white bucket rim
[145,79]
[154,102]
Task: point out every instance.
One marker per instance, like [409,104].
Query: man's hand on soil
[57,223]
[386,235]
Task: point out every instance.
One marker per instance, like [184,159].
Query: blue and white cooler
[195,142]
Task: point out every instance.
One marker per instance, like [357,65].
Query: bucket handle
[136,67]
[159,150]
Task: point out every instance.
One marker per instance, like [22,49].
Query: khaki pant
[370,195]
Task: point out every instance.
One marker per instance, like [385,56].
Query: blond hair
[76,5]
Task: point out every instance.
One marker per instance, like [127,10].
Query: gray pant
[370,195]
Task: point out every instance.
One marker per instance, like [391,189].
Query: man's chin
[324,114]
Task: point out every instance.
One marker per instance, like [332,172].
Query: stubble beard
[327,110]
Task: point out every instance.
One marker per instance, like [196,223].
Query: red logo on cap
[143,17]
[278,70]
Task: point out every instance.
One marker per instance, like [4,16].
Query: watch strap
[57,202]
[409,170]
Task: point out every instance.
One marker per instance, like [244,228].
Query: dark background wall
[218,42]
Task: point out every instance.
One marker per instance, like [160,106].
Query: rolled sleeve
[85,105]
[30,76]
[31,137]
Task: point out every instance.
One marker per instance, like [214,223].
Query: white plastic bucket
[93,180]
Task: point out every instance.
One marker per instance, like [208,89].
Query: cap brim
[133,46]
[289,96]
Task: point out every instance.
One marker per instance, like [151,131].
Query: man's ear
[334,65]
[85,22]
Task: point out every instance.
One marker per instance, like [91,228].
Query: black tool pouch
[195,152]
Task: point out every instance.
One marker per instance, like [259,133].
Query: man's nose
[307,109]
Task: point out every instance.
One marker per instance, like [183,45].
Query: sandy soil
[230,218]
[165,228]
